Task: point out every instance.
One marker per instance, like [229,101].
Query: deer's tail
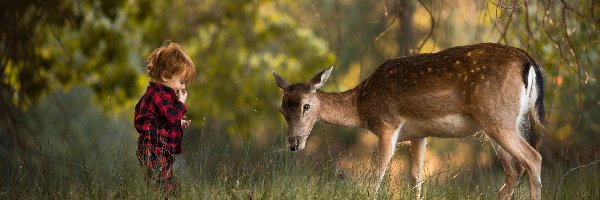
[534,127]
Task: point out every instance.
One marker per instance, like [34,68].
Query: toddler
[160,114]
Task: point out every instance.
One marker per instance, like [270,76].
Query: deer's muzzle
[296,143]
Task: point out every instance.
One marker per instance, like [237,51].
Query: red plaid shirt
[158,117]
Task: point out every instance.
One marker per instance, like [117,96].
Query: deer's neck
[339,108]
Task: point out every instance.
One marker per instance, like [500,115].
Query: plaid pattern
[157,165]
[158,117]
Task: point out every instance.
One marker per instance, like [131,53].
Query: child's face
[175,82]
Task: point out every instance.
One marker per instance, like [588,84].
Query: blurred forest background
[71,72]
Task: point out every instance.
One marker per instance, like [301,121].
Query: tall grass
[67,160]
[252,172]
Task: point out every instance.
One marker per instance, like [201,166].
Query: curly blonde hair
[169,60]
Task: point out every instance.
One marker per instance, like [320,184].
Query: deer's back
[438,84]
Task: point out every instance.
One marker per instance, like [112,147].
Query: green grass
[260,173]
[78,164]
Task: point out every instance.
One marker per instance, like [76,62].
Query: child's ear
[163,79]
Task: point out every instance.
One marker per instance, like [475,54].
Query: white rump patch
[528,97]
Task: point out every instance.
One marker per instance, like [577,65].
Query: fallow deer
[457,92]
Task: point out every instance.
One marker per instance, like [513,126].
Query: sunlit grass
[215,165]
[264,173]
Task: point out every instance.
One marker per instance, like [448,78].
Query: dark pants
[157,165]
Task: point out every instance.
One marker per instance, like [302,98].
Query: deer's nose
[293,143]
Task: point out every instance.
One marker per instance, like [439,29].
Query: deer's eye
[306,107]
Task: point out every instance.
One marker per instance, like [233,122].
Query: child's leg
[157,165]
[166,178]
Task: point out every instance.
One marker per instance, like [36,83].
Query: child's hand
[182,95]
[185,123]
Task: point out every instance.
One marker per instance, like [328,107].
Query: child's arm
[170,110]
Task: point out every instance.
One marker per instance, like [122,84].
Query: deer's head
[300,106]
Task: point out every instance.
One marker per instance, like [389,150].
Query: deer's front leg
[417,157]
[388,138]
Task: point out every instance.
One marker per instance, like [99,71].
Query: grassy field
[255,173]
[67,160]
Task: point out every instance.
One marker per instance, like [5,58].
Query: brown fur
[452,93]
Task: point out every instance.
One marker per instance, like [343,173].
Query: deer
[487,88]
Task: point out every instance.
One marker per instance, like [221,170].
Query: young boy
[159,115]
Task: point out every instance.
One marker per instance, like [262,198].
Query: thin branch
[503,5]
[503,33]
[562,179]
[558,45]
[492,19]
[387,28]
[432,25]
[572,50]
[528,26]
[565,5]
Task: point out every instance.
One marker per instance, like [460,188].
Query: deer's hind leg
[512,172]
[498,109]
[509,138]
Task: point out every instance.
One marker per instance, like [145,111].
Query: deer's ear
[280,81]
[319,80]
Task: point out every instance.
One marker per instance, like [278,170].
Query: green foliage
[236,54]
[235,45]
[58,56]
